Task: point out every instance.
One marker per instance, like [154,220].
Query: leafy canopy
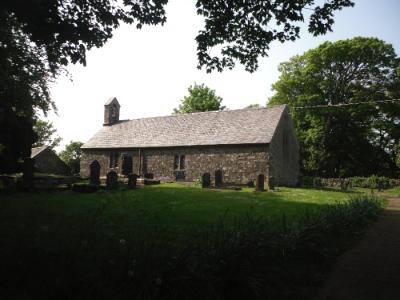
[352,139]
[46,134]
[71,155]
[241,29]
[200,98]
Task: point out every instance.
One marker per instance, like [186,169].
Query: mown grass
[173,242]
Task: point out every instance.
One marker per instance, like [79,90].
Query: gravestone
[260,183]
[112,180]
[132,180]
[149,175]
[218,178]
[28,170]
[271,183]
[95,173]
[206,180]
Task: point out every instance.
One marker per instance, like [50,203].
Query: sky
[150,70]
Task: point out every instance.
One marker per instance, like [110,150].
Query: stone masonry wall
[284,163]
[48,162]
[239,164]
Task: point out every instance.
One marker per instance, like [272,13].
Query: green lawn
[173,241]
[173,208]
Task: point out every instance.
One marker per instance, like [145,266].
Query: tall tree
[24,77]
[344,127]
[200,98]
[71,155]
[46,134]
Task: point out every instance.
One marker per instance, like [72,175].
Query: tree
[24,77]
[243,29]
[71,155]
[336,92]
[396,151]
[201,98]
[254,105]
[46,134]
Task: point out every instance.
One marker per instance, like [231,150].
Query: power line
[344,104]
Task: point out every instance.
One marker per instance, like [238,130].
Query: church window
[114,156]
[179,162]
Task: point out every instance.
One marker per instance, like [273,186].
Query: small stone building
[241,143]
[47,161]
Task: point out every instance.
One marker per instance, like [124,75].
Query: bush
[372,182]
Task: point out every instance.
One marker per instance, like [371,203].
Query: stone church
[241,143]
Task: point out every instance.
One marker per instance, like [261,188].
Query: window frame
[179,162]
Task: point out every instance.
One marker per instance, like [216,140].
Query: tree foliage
[200,98]
[344,129]
[242,29]
[24,77]
[254,105]
[46,134]
[71,155]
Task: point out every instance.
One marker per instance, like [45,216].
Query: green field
[174,241]
[176,208]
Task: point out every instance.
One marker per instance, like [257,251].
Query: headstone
[95,173]
[149,175]
[28,172]
[132,180]
[112,180]
[206,180]
[218,178]
[260,183]
[271,183]
[127,164]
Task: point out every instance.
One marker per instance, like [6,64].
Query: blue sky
[149,70]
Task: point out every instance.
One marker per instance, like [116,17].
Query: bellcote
[111,111]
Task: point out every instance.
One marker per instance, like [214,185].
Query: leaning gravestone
[260,183]
[95,173]
[112,180]
[28,170]
[132,180]
[218,178]
[206,180]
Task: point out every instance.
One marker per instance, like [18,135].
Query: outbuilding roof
[242,126]
[36,150]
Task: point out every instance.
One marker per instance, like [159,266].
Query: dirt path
[371,270]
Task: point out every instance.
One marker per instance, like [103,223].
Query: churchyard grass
[173,241]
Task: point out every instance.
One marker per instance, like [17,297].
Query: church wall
[239,163]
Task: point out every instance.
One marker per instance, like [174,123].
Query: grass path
[371,269]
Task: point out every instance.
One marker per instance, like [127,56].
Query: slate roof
[36,150]
[242,126]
